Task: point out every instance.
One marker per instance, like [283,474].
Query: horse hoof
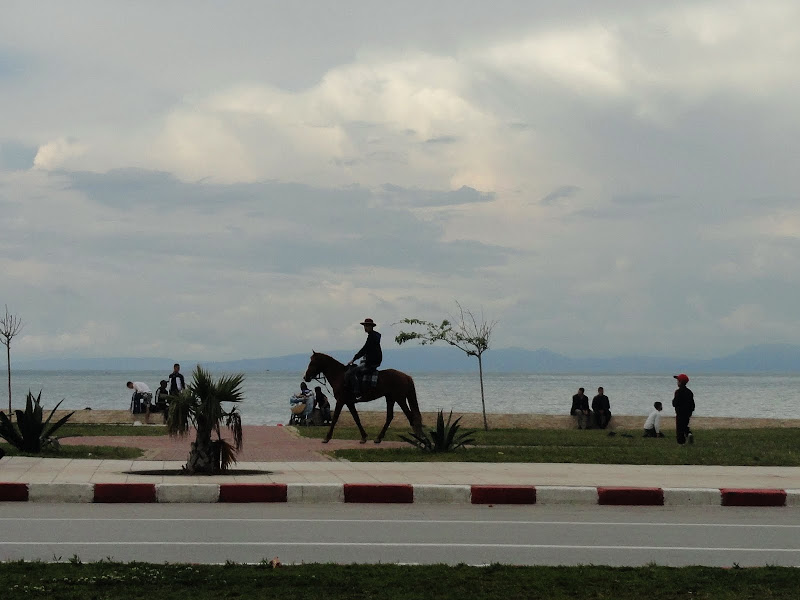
[378,441]
[364,440]
[326,440]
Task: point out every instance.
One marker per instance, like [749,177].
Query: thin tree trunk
[483,400]
[8,362]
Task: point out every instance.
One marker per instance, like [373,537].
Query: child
[652,426]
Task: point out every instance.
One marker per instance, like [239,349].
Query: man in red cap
[371,353]
[684,407]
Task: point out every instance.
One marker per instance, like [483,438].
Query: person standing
[371,353]
[580,409]
[683,402]
[176,382]
[601,408]
[652,425]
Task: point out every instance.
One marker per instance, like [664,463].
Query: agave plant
[201,405]
[30,434]
[445,438]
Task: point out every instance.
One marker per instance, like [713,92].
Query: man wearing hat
[684,407]
[371,353]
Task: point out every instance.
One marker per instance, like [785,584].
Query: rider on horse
[371,353]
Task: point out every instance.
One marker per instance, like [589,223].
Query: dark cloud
[338,228]
[16,156]
[442,139]
[411,197]
[565,191]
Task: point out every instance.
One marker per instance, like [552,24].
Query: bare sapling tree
[10,326]
[468,332]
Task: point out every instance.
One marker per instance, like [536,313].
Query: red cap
[682,378]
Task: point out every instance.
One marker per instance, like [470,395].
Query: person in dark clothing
[580,409]
[176,381]
[371,355]
[321,402]
[684,407]
[601,408]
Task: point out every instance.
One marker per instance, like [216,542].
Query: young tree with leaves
[469,333]
[10,326]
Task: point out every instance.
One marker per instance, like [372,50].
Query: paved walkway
[261,443]
[57,470]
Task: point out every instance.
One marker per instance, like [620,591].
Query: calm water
[266,394]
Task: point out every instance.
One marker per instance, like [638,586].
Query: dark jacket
[683,401]
[372,353]
[579,402]
[600,402]
[174,390]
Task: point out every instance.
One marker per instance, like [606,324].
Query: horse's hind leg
[352,407]
[389,417]
[336,412]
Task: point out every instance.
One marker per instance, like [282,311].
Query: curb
[369,493]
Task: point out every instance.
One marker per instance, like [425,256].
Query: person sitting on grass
[321,402]
[580,409]
[652,426]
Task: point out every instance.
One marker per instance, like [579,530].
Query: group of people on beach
[144,401]
[304,404]
[599,414]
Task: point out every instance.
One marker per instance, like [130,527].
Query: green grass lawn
[90,429]
[96,452]
[751,447]
[73,581]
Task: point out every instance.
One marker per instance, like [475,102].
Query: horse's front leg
[354,412]
[389,417]
[336,412]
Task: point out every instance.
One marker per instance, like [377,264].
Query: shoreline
[471,420]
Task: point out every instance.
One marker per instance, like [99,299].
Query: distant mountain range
[767,358]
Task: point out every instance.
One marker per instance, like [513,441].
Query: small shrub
[30,434]
[445,438]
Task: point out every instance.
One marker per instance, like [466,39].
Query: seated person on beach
[321,402]
[580,409]
[142,397]
[601,409]
[652,426]
[161,400]
[305,399]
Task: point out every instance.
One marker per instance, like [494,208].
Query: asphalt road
[342,533]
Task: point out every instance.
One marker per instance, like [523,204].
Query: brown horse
[395,385]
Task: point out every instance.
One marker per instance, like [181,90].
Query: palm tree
[200,405]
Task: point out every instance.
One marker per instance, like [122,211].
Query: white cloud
[58,153]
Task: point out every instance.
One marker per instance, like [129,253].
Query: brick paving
[261,443]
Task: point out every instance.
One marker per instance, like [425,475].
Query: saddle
[369,379]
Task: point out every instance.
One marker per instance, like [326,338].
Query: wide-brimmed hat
[368,322]
[682,378]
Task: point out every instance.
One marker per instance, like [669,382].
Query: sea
[266,394]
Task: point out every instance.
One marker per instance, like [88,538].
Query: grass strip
[101,429]
[74,580]
[723,447]
[93,452]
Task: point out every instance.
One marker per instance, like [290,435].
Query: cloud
[188,193]
[56,153]
[561,192]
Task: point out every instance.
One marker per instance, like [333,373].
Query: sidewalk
[66,480]
[295,470]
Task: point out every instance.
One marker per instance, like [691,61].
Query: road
[346,533]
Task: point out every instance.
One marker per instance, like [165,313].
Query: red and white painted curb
[391,493]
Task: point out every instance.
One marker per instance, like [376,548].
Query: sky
[210,180]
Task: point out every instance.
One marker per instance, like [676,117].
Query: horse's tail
[413,405]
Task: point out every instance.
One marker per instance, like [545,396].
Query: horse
[395,385]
